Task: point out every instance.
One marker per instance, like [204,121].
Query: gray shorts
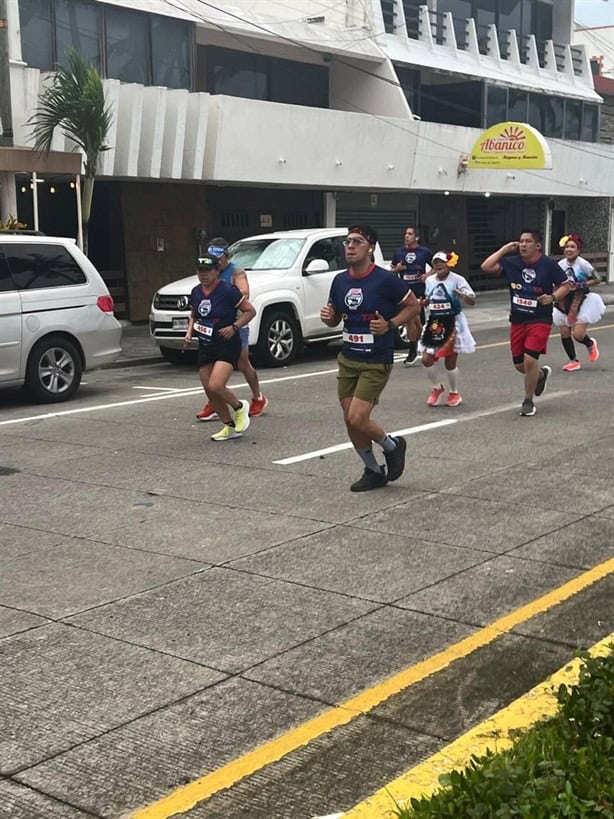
[244,334]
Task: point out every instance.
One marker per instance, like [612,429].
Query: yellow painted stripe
[494,734]
[188,796]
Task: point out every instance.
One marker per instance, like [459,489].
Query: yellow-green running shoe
[226,434]
[241,417]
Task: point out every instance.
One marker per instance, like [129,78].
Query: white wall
[367,87]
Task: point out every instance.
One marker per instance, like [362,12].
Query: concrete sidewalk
[491,310]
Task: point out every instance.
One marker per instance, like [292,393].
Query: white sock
[434,374]
[453,379]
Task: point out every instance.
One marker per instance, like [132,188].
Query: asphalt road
[174,610]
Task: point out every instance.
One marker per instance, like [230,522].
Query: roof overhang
[26,160]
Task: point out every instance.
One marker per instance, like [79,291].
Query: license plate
[180,324]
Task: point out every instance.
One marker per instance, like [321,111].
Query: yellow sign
[510,145]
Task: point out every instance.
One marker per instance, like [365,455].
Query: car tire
[280,339]
[174,356]
[54,370]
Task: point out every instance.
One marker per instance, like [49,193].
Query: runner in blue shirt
[372,303]
[536,282]
[215,322]
[412,262]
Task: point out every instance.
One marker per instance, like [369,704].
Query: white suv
[56,316]
[290,275]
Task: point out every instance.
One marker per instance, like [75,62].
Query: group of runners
[426,297]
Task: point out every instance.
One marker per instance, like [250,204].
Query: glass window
[517,105]
[237,74]
[496,105]
[331,250]
[573,119]
[127,36]
[537,111]
[37,266]
[510,15]
[6,282]
[266,254]
[409,80]
[36,33]
[461,10]
[77,25]
[553,117]
[298,83]
[542,22]
[590,122]
[170,51]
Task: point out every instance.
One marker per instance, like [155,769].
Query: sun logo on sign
[513,133]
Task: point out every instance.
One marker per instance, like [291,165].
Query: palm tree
[75,102]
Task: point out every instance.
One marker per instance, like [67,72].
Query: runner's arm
[492,264]
[329,315]
[188,333]
[410,308]
[239,279]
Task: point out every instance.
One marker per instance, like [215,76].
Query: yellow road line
[188,796]
[494,734]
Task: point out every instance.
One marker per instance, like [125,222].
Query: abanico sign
[510,145]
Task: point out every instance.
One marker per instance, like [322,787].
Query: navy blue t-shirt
[527,282]
[214,310]
[415,260]
[357,299]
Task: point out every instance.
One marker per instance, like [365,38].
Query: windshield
[266,254]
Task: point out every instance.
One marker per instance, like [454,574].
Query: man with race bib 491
[372,303]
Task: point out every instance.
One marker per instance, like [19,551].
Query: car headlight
[156,301]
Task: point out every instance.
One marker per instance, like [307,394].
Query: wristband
[391,325]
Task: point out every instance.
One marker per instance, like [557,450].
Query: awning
[26,160]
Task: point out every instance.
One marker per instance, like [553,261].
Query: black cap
[207,261]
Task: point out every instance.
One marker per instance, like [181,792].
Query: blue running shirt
[213,310]
[415,260]
[527,282]
[357,299]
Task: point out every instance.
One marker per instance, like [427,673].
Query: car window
[35,266]
[327,249]
[266,254]
[6,282]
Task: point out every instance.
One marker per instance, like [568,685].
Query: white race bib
[527,305]
[203,330]
[357,338]
[440,305]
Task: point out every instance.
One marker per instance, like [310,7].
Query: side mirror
[317,266]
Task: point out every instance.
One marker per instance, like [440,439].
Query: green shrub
[561,767]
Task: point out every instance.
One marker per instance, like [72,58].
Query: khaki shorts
[361,379]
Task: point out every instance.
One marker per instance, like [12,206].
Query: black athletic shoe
[395,460]
[544,375]
[369,480]
[528,407]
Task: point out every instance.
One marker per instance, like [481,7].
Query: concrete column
[14,31]
[611,243]
[330,210]
[8,196]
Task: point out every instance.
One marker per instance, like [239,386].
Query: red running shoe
[593,353]
[258,406]
[207,414]
[435,395]
[454,399]
[572,366]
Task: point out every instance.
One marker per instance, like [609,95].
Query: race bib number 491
[357,338]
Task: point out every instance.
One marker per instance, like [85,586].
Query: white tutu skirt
[464,341]
[591,311]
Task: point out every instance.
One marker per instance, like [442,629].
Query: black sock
[587,341]
[230,423]
[569,348]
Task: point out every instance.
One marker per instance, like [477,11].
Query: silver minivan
[56,316]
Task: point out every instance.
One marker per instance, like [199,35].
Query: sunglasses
[350,242]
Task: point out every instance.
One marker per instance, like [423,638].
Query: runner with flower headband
[580,307]
[446,332]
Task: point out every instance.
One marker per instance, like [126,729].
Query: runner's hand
[545,298]
[378,325]
[328,313]
[187,340]
[511,247]
[227,332]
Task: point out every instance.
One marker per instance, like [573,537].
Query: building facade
[230,121]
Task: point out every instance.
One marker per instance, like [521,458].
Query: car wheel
[279,341]
[177,356]
[54,370]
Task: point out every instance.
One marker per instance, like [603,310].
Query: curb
[135,362]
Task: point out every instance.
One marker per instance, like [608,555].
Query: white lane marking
[340,447]
[163,397]
[307,456]
[161,389]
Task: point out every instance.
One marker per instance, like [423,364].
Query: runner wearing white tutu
[580,307]
[446,332]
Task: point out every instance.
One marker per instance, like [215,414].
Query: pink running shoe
[572,366]
[593,353]
[258,406]
[207,414]
[435,395]
[454,399]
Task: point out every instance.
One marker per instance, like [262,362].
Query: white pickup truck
[289,274]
